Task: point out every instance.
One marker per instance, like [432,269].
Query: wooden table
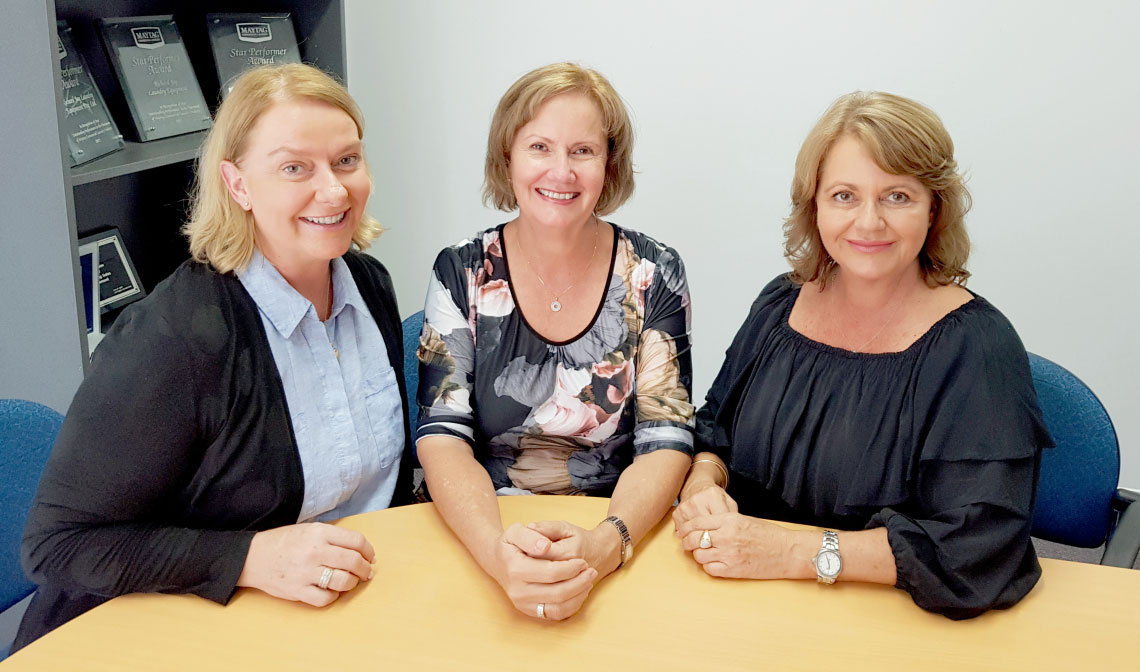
[430,607]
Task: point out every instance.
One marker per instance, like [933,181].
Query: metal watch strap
[830,544]
[626,540]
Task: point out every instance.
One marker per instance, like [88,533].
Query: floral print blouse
[565,417]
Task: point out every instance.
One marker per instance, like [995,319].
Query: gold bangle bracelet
[716,464]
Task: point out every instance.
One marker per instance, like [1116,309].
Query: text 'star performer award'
[244,41]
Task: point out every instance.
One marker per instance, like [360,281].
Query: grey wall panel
[41,356]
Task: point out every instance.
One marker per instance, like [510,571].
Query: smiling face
[872,223]
[558,161]
[303,175]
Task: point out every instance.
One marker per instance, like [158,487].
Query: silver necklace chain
[890,320]
[863,348]
[555,304]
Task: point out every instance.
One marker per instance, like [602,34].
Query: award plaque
[118,282]
[87,127]
[158,81]
[244,41]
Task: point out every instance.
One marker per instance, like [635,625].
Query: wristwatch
[626,540]
[828,562]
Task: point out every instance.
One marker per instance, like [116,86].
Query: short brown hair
[519,105]
[221,233]
[905,138]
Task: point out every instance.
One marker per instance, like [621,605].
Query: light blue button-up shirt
[346,412]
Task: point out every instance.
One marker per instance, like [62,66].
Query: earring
[245,204]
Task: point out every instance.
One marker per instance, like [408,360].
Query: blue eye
[291,169]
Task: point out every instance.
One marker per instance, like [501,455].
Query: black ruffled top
[940,443]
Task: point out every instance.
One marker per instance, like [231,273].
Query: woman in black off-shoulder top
[869,392]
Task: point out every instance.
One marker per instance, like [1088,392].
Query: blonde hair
[519,105]
[905,138]
[221,233]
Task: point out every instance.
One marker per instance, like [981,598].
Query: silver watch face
[828,563]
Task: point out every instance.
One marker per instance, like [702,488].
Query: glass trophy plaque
[158,81]
[86,125]
[244,41]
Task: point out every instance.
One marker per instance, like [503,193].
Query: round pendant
[555,305]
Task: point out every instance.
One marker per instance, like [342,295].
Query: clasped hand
[552,563]
[289,562]
[739,546]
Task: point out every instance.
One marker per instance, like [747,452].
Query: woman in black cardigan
[198,449]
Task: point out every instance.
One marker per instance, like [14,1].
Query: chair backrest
[412,326]
[27,434]
[1079,476]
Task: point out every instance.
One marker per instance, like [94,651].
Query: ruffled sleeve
[961,544]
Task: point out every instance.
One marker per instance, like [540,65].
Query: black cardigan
[177,448]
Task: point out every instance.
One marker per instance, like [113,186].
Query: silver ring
[706,540]
[325,577]
[541,610]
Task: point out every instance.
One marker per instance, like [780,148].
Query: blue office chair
[1078,503]
[412,326]
[27,434]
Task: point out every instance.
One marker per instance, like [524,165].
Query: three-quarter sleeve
[967,550]
[446,352]
[104,519]
[962,546]
[663,369]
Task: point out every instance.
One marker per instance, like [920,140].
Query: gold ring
[706,540]
[541,610]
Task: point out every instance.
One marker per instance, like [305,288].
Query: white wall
[1041,99]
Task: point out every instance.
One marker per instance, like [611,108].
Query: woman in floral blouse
[554,357]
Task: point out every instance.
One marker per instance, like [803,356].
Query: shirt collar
[283,305]
[345,292]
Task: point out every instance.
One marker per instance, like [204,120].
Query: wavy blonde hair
[905,138]
[221,233]
[519,105]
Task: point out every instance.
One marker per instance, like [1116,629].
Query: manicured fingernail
[371,574]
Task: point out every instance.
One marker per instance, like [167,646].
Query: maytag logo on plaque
[254,32]
[158,81]
[86,126]
[244,41]
[147,37]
